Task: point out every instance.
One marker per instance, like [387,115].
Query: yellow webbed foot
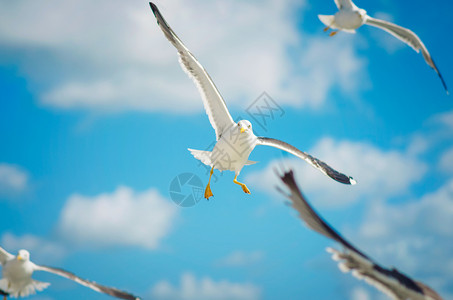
[245,189]
[333,33]
[208,192]
[327,28]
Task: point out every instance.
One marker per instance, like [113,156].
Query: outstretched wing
[308,215]
[410,38]
[5,256]
[320,165]
[91,284]
[213,102]
[341,4]
[389,281]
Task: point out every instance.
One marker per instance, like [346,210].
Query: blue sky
[97,116]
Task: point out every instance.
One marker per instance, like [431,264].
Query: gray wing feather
[341,4]
[91,284]
[318,164]
[390,281]
[214,104]
[410,38]
[5,256]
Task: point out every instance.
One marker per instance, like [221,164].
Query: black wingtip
[153,8]
[440,76]
[443,83]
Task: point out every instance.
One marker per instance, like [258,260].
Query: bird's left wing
[91,284]
[5,256]
[410,38]
[390,281]
[214,104]
[318,164]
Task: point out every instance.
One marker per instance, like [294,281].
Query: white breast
[233,149]
[348,19]
[18,274]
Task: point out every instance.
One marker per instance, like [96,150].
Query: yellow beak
[19,257]
[242,130]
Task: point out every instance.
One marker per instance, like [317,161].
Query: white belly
[348,19]
[18,274]
[232,150]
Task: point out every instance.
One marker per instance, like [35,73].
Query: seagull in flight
[235,141]
[391,282]
[17,281]
[349,17]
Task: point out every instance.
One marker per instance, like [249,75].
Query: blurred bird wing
[410,38]
[91,284]
[341,4]
[5,256]
[389,281]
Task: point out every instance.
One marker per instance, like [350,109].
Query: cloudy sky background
[96,117]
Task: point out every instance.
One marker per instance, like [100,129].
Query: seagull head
[23,255]
[244,126]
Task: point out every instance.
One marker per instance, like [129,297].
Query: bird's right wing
[5,256]
[390,281]
[410,38]
[214,104]
[91,284]
[341,4]
[318,164]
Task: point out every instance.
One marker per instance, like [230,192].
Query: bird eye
[250,126]
[239,124]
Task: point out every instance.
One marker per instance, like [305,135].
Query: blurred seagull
[350,17]
[235,141]
[17,281]
[390,281]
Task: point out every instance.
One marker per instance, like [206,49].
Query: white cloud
[445,119]
[205,289]
[360,294]
[41,250]
[123,217]
[414,236]
[326,64]
[241,258]
[446,161]
[379,173]
[13,179]
[111,55]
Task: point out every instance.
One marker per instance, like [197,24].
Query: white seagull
[390,281]
[17,281]
[350,17]
[235,141]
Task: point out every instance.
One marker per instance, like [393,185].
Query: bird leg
[244,187]
[333,33]
[326,28]
[207,191]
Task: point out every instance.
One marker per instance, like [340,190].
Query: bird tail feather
[328,20]
[4,284]
[24,291]
[203,156]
